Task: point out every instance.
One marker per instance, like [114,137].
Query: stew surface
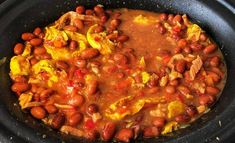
[117,74]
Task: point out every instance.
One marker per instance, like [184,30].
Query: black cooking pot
[17,16]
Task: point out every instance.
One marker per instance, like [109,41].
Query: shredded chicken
[195,68]
[72,131]
[71,16]
[186,21]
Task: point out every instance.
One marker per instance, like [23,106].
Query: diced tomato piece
[89,124]
[166,59]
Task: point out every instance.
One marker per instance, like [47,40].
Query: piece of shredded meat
[69,17]
[195,68]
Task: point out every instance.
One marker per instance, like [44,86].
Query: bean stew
[117,74]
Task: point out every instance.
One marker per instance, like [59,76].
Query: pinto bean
[73,45]
[215,77]
[150,132]
[104,19]
[112,36]
[212,90]
[191,110]
[177,50]
[34,88]
[177,19]
[183,118]
[187,50]
[170,89]
[206,100]
[27,36]
[182,43]
[174,82]
[76,100]
[41,35]
[210,49]
[170,18]
[196,47]
[162,30]
[78,23]
[99,29]
[80,9]
[159,122]
[19,48]
[89,12]
[20,87]
[115,23]
[38,112]
[93,108]
[153,90]
[203,37]
[99,10]
[51,109]
[218,71]
[33,61]
[46,56]
[124,135]
[39,50]
[89,53]
[163,16]
[20,79]
[181,66]
[117,15]
[108,131]
[92,87]
[75,119]
[123,38]
[71,28]
[58,120]
[37,31]
[45,94]
[215,61]
[36,41]
[59,43]
[120,58]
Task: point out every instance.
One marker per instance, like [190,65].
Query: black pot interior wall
[20,16]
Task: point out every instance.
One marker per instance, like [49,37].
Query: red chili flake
[89,124]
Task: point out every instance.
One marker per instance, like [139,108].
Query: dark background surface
[8,137]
